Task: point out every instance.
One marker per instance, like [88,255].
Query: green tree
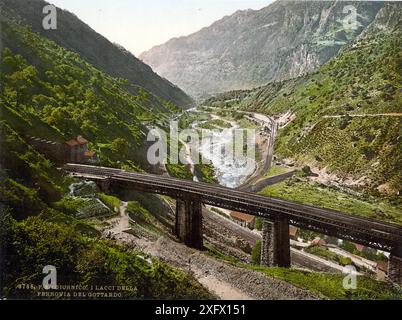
[256,253]
[120,146]
[258,224]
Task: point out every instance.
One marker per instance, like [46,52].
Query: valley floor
[228,277]
[227,281]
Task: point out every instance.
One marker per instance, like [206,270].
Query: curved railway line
[369,232]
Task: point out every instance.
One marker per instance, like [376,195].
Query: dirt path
[222,289]
[365,115]
[121,224]
[228,282]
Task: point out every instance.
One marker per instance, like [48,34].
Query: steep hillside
[52,93]
[346,117]
[76,36]
[251,48]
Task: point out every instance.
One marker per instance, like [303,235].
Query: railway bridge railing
[277,214]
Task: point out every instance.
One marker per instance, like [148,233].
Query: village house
[78,151]
[359,247]
[245,220]
[74,150]
[293,232]
[318,242]
[382,269]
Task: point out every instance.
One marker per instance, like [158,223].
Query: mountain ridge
[330,123]
[75,35]
[254,47]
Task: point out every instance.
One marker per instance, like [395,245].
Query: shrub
[35,243]
[258,224]
[256,253]
[111,201]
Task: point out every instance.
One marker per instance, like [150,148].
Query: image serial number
[222,310]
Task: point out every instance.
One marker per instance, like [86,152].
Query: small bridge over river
[277,214]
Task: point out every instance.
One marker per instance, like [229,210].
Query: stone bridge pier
[395,266]
[189,222]
[275,248]
[104,185]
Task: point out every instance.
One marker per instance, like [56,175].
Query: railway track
[376,234]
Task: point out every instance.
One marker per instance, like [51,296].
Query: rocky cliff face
[76,36]
[251,48]
[346,116]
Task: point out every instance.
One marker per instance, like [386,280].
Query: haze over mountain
[251,48]
[345,118]
[75,35]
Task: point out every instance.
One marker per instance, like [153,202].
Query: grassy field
[215,124]
[318,195]
[328,255]
[323,285]
[188,118]
[276,171]
[112,202]
[330,286]
[205,173]
[245,123]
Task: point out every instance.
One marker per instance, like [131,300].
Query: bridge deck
[366,231]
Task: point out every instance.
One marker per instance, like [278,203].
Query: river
[231,171]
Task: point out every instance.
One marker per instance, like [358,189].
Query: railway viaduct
[277,214]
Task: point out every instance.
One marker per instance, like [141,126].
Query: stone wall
[275,248]
[189,222]
[53,150]
[395,269]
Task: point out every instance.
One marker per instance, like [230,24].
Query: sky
[139,25]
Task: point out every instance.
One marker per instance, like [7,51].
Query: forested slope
[52,93]
[332,126]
